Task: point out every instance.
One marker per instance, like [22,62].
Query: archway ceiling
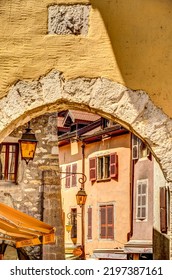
[133,109]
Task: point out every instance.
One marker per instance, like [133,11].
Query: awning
[22,229]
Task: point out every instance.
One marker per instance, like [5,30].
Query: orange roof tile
[81,115]
[60,121]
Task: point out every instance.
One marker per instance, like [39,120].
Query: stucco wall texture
[128,42]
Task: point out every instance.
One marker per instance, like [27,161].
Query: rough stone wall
[53,213]
[27,196]
[68,19]
[170,218]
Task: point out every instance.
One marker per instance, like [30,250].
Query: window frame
[135,147]
[140,150]
[105,169]
[7,158]
[95,166]
[106,225]
[141,206]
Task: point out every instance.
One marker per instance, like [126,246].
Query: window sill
[103,180]
[106,239]
[143,158]
[141,220]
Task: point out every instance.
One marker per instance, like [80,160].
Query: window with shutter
[113,165]
[106,222]
[100,168]
[102,222]
[110,219]
[107,167]
[141,199]
[135,147]
[74,170]
[92,165]
[139,149]
[163,210]
[9,161]
[103,167]
[68,175]
[89,223]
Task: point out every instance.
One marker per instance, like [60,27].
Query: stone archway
[133,109]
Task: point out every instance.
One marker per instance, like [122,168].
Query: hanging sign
[28,242]
[48,238]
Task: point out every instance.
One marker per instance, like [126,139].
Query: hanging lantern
[68,227]
[81,197]
[28,143]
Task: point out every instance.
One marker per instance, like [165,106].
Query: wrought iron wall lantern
[69,224]
[28,143]
[81,197]
[69,227]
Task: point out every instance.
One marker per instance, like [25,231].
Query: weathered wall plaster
[128,42]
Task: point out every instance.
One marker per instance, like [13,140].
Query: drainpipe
[83,206]
[83,163]
[42,208]
[131,189]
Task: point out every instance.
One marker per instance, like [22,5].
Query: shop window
[103,167]
[142,186]
[107,222]
[9,161]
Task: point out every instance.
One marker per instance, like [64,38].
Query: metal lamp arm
[81,180]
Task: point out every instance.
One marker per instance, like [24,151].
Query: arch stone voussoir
[133,109]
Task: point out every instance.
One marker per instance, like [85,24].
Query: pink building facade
[122,185]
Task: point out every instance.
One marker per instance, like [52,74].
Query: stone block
[68,19]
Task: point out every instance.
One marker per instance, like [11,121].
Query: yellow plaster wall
[129,41]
